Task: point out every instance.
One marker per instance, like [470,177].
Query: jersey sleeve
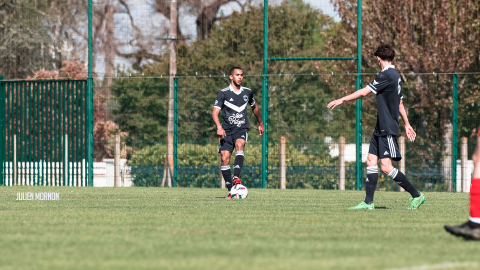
[219,101]
[379,84]
[251,99]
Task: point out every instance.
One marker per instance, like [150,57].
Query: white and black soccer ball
[239,191]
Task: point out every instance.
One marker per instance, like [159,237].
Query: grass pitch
[178,228]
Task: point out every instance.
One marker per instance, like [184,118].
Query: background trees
[238,41]
[25,45]
[440,35]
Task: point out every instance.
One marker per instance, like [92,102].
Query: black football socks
[402,181]
[371,183]
[238,164]
[227,176]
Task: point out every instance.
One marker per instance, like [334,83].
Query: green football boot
[363,205]
[416,202]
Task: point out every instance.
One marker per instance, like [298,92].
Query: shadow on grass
[381,207]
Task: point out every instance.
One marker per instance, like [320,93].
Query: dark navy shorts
[385,147]
[228,143]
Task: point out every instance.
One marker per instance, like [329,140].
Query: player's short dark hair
[233,69]
[385,52]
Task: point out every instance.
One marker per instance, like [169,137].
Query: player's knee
[386,169]
[239,145]
[371,162]
[225,160]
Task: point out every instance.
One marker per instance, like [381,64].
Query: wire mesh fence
[297,111]
[132,48]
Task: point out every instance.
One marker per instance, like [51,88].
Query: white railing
[45,173]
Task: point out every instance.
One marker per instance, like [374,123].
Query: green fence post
[265,97]
[454,137]
[175,131]
[358,103]
[2,131]
[90,97]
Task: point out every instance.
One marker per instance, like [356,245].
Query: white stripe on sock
[239,153]
[372,170]
[393,173]
[224,168]
[474,219]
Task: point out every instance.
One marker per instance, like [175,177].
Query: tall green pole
[454,137]
[90,97]
[2,131]
[358,104]
[265,96]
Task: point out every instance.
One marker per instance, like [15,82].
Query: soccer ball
[239,191]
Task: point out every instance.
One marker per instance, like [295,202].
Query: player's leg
[389,150]
[225,167]
[475,187]
[388,169]
[240,141]
[471,229]
[372,176]
[225,149]
[239,158]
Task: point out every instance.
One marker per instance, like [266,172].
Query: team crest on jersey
[245,98]
[216,102]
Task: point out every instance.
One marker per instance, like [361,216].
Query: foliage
[142,110]
[194,154]
[71,70]
[295,30]
[428,36]
[237,41]
[25,45]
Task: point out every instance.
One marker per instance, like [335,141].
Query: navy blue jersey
[234,107]
[388,88]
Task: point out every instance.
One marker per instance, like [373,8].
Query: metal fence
[297,111]
[120,40]
[44,133]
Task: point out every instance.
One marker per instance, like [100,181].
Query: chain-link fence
[134,43]
[297,111]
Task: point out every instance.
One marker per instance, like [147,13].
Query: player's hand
[221,132]
[335,103]
[261,129]
[410,133]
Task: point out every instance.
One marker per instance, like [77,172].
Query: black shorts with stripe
[385,147]
[228,143]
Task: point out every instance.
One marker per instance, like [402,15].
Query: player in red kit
[471,228]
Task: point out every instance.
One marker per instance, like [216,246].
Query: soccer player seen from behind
[233,131]
[387,87]
[471,228]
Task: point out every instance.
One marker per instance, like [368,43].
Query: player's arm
[356,95]
[408,129]
[216,109]
[258,115]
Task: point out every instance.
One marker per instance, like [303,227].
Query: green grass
[178,228]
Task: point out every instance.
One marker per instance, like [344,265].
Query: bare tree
[428,36]
[206,12]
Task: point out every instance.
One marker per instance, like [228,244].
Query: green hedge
[194,154]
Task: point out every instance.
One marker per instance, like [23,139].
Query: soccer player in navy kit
[233,131]
[387,86]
